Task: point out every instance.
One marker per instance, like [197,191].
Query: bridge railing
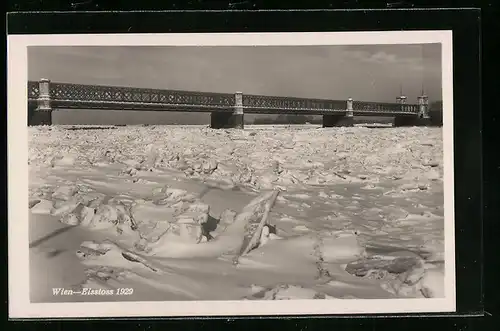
[292,104]
[77,93]
[33,90]
[381,107]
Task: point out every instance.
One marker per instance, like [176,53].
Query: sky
[363,72]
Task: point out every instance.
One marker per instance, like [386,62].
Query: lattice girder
[64,93]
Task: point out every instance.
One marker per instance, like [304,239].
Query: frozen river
[359,213]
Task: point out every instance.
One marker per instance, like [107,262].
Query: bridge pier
[401,121]
[227,120]
[340,120]
[31,113]
[423,117]
[41,114]
[337,120]
[436,118]
[37,117]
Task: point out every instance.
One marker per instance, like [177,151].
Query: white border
[19,303]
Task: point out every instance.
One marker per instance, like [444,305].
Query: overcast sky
[365,72]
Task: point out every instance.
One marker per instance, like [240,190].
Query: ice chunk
[65,207]
[43,207]
[227,216]
[341,248]
[301,228]
[65,160]
[70,219]
[86,216]
[432,284]
[64,192]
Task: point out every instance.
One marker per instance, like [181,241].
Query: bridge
[227,109]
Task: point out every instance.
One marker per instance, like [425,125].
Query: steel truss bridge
[77,96]
[45,96]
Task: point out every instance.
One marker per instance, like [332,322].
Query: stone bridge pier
[346,119]
[423,117]
[41,112]
[227,120]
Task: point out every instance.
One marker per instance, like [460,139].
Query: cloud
[382,57]
[364,72]
[387,58]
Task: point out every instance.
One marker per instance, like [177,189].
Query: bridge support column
[406,121]
[421,119]
[226,120]
[340,120]
[436,117]
[411,121]
[426,116]
[337,120]
[42,114]
[36,117]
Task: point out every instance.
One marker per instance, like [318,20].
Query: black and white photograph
[226,174]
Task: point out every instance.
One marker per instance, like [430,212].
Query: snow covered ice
[166,209]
